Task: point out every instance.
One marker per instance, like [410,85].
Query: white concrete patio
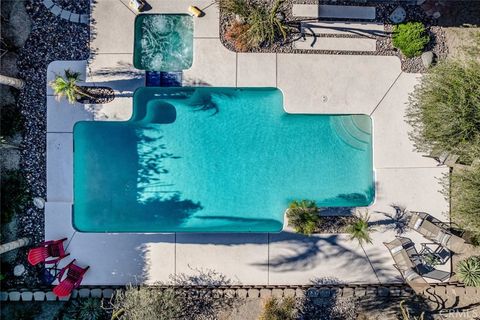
[311,83]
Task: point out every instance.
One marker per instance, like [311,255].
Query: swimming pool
[215,160]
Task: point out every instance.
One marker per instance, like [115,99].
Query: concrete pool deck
[311,83]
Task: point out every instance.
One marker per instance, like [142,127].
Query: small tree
[303,216]
[444,110]
[360,229]
[464,193]
[67,86]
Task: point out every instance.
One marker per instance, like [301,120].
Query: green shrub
[468,271]
[303,216]
[411,38]
[14,194]
[465,199]
[360,229]
[276,309]
[11,121]
[444,110]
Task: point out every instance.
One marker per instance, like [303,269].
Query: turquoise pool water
[163,42]
[215,160]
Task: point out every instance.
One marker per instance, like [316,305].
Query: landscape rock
[8,64]
[19,24]
[398,15]
[427,59]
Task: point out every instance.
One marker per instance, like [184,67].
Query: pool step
[333,11]
[163,79]
[354,130]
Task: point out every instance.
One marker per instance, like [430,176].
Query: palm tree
[5,145]
[14,245]
[13,82]
[67,86]
[360,229]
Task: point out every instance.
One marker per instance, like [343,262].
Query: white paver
[75,17]
[62,116]
[296,259]
[56,10]
[333,11]
[344,28]
[395,149]
[337,44]
[256,70]
[213,65]
[120,109]
[48,3]
[59,67]
[112,27]
[238,256]
[124,258]
[58,221]
[335,84]
[115,71]
[59,167]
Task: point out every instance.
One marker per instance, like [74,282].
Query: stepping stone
[56,10]
[27,296]
[344,28]
[50,296]
[333,11]
[48,3]
[65,15]
[75,17]
[84,293]
[108,293]
[3,296]
[96,293]
[337,44]
[14,296]
[39,296]
[84,18]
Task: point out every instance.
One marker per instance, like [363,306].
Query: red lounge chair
[72,280]
[45,250]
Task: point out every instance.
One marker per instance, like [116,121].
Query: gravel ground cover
[51,39]
[384,43]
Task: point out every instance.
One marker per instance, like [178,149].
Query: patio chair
[436,231]
[72,280]
[45,250]
[444,157]
[414,280]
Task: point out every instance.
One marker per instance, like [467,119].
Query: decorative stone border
[65,14]
[45,294]
[245,291]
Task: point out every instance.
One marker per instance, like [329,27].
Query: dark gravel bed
[384,45]
[75,6]
[335,224]
[51,39]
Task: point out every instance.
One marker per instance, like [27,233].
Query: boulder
[398,15]
[427,59]
[19,24]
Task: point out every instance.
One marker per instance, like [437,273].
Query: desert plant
[261,23]
[406,314]
[276,309]
[67,86]
[303,216]
[468,271]
[11,121]
[84,309]
[236,34]
[14,194]
[411,38]
[360,229]
[444,110]
[464,193]
[238,7]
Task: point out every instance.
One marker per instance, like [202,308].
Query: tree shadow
[397,222]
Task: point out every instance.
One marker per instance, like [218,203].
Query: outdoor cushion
[396,249]
[417,224]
